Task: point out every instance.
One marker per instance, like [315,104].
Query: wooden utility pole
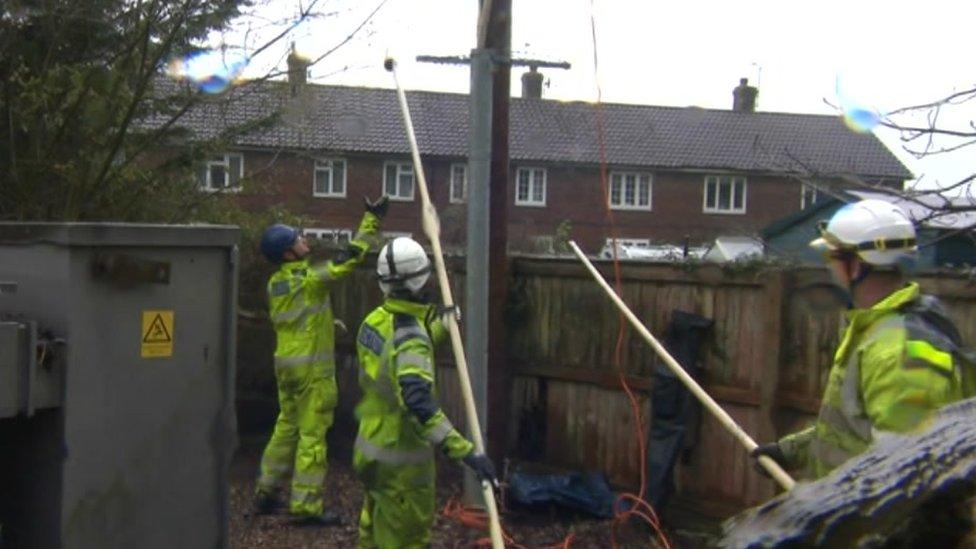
[488,199]
[498,39]
[487,267]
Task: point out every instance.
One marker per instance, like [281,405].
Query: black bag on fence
[675,412]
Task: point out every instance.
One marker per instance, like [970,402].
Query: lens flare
[861,120]
[860,114]
[211,71]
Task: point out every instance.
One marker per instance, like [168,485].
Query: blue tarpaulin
[587,492]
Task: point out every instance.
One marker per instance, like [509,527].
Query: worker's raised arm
[366,237]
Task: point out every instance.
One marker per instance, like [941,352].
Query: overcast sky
[690,52]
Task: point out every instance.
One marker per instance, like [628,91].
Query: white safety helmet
[403,263]
[877,232]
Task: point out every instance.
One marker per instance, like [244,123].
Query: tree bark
[904,491]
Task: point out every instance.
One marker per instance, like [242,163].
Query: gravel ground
[344,495]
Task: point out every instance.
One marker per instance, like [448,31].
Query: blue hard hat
[276,240]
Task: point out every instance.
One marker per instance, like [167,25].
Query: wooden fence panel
[592,428]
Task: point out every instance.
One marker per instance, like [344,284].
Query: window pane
[322,177]
[710,193]
[406,184]
[644,189]
[458,182]
[739,188]
[615,192]
[538,190]
[809,195]
[630,191]
[339,177]
[236,169]
[523,185]
[724,194]
[391,176]
[218,176]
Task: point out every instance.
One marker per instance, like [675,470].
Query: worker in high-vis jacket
[900,357]
[400,421]
[304,365]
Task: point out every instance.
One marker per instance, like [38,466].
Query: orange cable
[477,519]
[638,501]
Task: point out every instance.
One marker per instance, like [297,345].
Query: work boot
[266,504]
[327,518]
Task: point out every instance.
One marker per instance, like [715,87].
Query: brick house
[674,173]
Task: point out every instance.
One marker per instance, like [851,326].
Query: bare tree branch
[957,97]
[931,130]
[352,34]
[303,14]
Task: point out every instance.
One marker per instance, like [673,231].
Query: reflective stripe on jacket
[890,372]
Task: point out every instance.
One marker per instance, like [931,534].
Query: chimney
[532,84]
[297,70]
[744,97]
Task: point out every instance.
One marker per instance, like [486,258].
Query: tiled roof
[354,119]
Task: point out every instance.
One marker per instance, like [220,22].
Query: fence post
[773,340]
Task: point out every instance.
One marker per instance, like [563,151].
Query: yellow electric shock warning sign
[157,334]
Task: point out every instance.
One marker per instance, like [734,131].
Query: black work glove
[378,207]
[770,450]
[482,467]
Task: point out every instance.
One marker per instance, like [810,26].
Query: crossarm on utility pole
[777,472]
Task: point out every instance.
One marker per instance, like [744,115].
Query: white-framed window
[398,180]
[630,191]
[808,195]
[459,183]
[222,173]
[530,187]
[341,236]
[330,178]
[725,194]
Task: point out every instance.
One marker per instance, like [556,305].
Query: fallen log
[906,490]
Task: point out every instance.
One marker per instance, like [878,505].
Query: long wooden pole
[777,472]
[431,226]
